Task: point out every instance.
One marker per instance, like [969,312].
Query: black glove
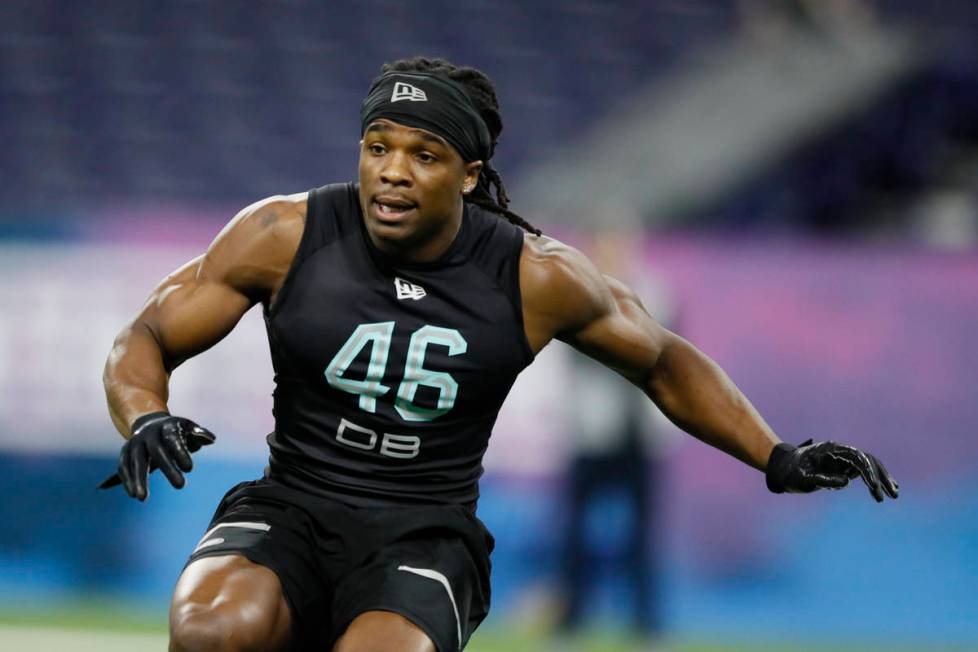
[826,465]
[159,440]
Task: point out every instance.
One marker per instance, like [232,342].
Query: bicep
[190,311]
[622,335]
[199,304]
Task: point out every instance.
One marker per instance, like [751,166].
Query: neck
[424,247]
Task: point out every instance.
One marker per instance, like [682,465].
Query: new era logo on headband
[404,91]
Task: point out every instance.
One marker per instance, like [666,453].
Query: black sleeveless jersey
[389,376]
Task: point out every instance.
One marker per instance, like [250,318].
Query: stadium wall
[872,346]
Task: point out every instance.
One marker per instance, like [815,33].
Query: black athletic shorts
[427,563]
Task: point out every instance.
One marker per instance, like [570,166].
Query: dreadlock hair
[482,92]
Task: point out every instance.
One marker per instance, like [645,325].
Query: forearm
[135,377]
[699,397]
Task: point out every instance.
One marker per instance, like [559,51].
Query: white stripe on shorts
[438,577]
[209,543]
[242,524]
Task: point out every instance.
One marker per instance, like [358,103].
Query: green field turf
[102,627]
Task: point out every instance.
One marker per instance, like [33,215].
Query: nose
[395,170]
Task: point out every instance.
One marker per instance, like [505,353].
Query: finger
[125,476]
[830,481]
[162,459]
[111,481]
[829,459]
[199,437]
[138,469]
[890,486]
[866,469]
[176,451]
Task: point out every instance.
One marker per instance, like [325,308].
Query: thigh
[434,583]
[275,547]
[381,631]
[229,598]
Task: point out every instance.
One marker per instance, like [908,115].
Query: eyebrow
[424,135]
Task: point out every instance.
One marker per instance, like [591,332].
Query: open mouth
[390,209]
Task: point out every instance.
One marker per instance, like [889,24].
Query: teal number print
[415,374]
[378,336]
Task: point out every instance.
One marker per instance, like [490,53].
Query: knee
[197,628]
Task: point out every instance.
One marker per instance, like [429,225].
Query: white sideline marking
[438,577]
[54,639]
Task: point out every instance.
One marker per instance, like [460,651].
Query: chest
[412,344]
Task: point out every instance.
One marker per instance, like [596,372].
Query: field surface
[95,628]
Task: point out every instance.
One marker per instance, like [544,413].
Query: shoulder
[562,289]
[276,217]
[257,246]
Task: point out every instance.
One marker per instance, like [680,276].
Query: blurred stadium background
[801,177]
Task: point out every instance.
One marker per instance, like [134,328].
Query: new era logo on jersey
[404,91]
[406,290]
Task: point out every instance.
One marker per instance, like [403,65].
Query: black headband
[431,102]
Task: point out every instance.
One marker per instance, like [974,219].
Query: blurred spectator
[616,438]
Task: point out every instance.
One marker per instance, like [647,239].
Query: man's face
[411,187]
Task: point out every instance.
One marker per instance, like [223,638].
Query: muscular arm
[567,298]
[198,304]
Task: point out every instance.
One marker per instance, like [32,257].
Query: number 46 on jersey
[378,337]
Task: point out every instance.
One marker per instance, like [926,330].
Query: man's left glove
[826,465]
[159,440]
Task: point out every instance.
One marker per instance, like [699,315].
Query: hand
[826,465]
[159,440]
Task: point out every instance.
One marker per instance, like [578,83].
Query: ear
[472,171]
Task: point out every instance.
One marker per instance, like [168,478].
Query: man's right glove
[159,440]
[826,465]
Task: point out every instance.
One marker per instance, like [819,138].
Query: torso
[389,377]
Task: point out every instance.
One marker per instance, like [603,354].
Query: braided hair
[481,91]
